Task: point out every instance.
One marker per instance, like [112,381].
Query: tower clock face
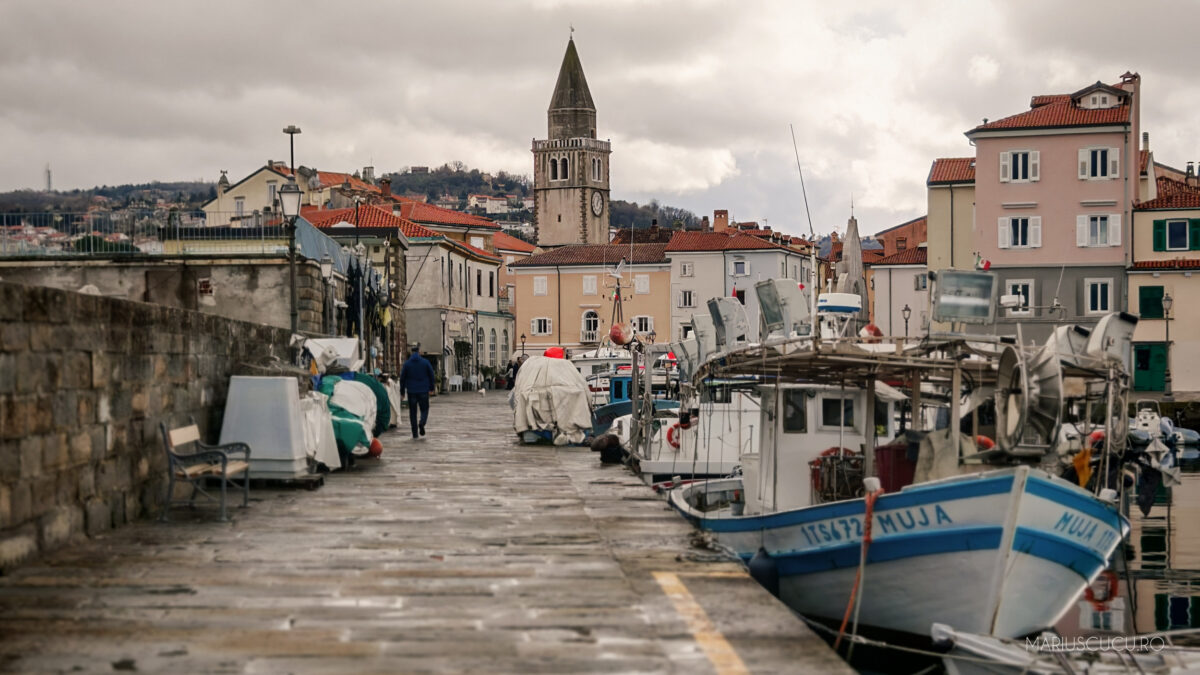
[597,203]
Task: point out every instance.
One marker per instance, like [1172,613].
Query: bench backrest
[175,438]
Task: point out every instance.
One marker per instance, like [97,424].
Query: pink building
[1054,191]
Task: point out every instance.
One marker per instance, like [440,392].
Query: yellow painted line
[713,575]
[718,650]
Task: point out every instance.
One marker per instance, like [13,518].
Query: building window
[564,170]
[479,282]
[1021,232]
[920,282]
[271,193]
[589,284]
[643,324]
[508,259]
[1019,166]
[1024,289]
[539,285]
[1097,230]
[591,326]
[477,242]
[685,299]
[1099,294]
[504,346]
[554,169]
[834,407]
[685,331]
[901,244]
[795,411]
[1150,302]
[492,347]
[641,284]
[541,326]
[239,206]
[685,269]
[1177,235]
[1099,163]
[739,268]
[491,284]
[740,295]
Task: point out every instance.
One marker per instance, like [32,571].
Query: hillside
[186,195]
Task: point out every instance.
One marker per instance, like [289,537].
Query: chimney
[385,186]
[720,220]
[705,226]
[1146,140]
[1190,176]
[368,174]
[833,236]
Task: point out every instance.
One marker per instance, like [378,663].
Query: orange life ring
[1112,587]
[672,439]
[984,443]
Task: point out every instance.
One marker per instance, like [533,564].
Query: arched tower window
[565,170]
[553,169]
[504,346]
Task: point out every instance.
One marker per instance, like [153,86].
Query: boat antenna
[812,248]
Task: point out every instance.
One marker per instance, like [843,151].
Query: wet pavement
[460,552]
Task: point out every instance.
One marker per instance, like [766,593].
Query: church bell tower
[570,167]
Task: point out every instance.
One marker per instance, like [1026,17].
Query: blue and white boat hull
[1002,553]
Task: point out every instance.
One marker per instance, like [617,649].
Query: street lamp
[1167,301]
[360,251]
[474,346]
[291,130]
[522,344]
[326,272]
[289,203]
[443,354]
[907,312]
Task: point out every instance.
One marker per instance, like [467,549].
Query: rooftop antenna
[851,204]
[572,36]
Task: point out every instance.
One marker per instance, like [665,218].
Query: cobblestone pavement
[460,552]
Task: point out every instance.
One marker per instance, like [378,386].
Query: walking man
[416,377]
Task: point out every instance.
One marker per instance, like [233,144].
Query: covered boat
[550,402]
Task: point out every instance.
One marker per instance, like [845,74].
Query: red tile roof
[951,170]
[334,179]
[718,241]
[909,256]
[420,212]
[1173,194]
[596,254]
[477,251]
[872,256]
[1058,111]
[1177,264]
[368,215]
[507,242]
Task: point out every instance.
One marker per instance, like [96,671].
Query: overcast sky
[695,96]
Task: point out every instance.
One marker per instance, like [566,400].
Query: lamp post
[361,252]
[291,130]
[1167,301]
[289,203]
[443,354]
[522,344]
[907,312]
[471,326]
[326,272]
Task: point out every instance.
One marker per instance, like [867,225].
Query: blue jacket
[417,375]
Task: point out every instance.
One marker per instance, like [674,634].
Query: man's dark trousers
[414,401]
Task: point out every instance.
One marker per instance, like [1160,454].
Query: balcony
[587,336]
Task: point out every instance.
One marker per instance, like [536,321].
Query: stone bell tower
[570,167]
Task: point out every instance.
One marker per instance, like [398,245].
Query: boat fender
[765,571]
[376,448]
[609,447]
[984,443]
[1111,588]
[673,437]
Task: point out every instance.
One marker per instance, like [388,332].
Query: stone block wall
[84,383]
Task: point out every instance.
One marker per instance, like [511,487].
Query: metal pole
[292,271]
[362,329]
[1167,377]
[442,356]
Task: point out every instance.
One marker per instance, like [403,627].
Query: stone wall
[247,288]
[84,383]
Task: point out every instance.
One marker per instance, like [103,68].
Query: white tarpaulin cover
[318,430]
[393,391]
[326,351]
[551,395]
[264,412]
[357,399]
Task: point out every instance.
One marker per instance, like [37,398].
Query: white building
[899,281]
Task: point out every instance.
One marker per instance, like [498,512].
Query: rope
[855,599]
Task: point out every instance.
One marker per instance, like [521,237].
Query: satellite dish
[706,336]
[783,306]
[729,321]
[1029,399]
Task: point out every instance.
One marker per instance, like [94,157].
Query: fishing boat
[987,537]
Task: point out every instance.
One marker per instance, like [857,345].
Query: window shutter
[1114,160]
[1081,230]
[1005,234]
[917,282]
[533,327]
[1005,166]
[1114,230]
[1194,234]
[1160,235]
[1035,231]
[1083,164]
[649,323]
[1035,161]
[549,326]
[1150,302]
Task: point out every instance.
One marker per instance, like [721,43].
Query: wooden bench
[200,464]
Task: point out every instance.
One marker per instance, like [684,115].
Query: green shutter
[1160,235]
[1194,234]
[1150,302]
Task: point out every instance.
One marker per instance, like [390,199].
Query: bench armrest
[227,448]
